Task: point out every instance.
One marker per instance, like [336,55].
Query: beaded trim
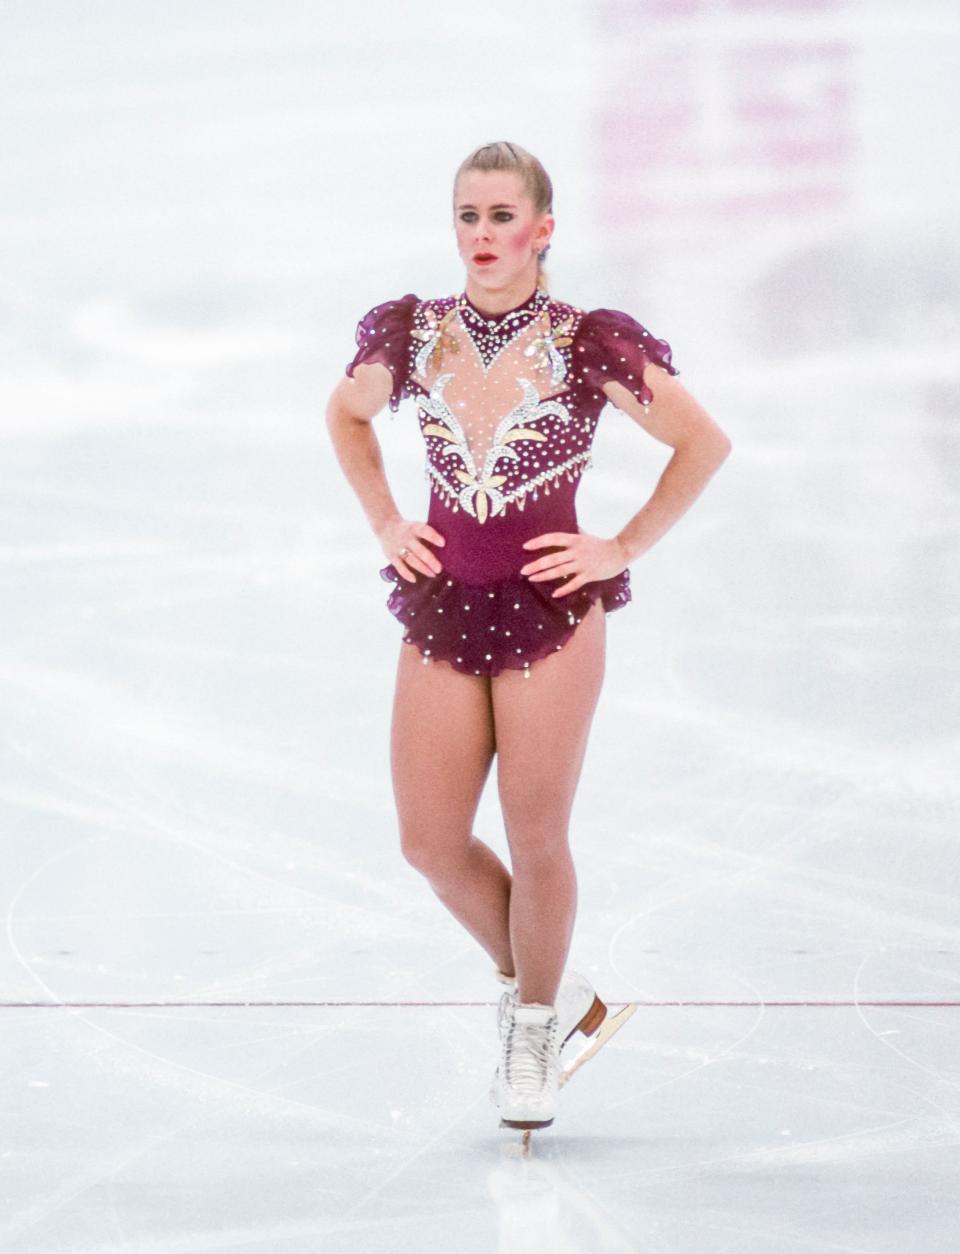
[575,465]
[494,323]
[490,336]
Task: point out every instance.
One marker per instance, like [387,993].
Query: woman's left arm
[676,418]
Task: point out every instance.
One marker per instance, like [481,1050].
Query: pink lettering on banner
[751,118]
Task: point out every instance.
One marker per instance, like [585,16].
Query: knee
[417,849]
[428,854]
[537,825]
[538,850]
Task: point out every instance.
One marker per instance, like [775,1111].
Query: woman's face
[494,215]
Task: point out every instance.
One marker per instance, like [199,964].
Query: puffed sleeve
[612,345]
[383,334]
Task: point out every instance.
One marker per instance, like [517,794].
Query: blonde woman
[502,596]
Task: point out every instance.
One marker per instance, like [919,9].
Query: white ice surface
[231,1015]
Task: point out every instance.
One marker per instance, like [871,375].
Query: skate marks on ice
[899,918]
[198,1099]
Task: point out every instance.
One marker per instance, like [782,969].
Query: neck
[500,299]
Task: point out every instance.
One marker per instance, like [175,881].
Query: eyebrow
[492,206]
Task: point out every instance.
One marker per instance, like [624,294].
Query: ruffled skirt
[481,629]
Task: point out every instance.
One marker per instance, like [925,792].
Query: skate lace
[529,1053]
[503,1014]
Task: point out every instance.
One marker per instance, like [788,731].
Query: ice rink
[232,1016]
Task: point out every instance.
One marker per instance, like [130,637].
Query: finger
[567,588]
[414,560]
[431,534]
[539,541]
[568,567]
[430,561]
[550,560]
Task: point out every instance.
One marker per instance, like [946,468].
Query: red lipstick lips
[484,259]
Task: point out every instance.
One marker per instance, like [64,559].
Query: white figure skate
[579,1009]
[528,1076]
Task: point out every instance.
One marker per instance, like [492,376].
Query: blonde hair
[502,155]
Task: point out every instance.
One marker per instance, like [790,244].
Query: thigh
[542,725]
[441,747]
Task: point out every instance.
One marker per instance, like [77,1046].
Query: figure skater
[502,596]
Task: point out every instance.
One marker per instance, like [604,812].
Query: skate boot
[578,1009]
[529,1072]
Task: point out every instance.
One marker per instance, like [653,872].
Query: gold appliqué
[436,339]
[544,349]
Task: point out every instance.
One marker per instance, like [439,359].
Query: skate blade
[610,1026]
[526,1125]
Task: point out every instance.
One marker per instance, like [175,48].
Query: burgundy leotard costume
[508,407]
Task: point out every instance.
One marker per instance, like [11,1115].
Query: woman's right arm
[352,406]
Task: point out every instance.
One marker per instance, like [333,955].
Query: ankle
[527,998]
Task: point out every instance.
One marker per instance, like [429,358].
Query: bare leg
[442,746]
[542,725]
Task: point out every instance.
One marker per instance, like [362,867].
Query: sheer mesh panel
[496,411]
